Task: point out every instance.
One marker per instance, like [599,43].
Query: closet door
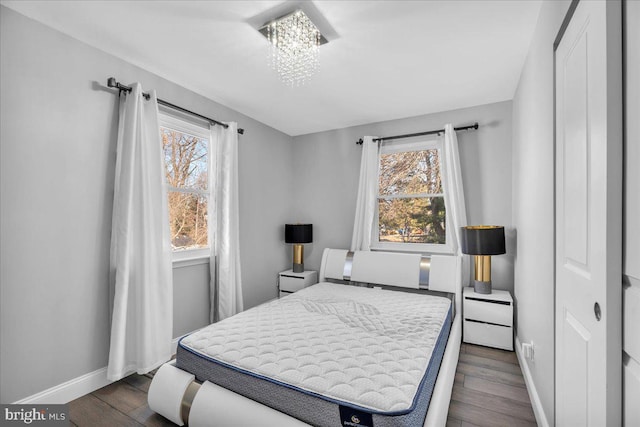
[588,70]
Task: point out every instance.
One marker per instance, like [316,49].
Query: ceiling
[385,59]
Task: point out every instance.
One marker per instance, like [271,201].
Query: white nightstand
[488,319]
[290,282]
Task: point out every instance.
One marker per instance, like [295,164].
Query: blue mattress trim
[434,363]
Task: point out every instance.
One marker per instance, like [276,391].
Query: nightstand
[488,318]
[290,282]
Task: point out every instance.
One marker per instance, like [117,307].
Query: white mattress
[369,348]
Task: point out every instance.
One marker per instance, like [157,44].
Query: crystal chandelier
[294,43]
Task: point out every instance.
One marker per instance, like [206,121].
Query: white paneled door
[588,70]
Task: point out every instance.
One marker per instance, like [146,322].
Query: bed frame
[176,395]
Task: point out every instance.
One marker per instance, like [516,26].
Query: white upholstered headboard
[435,272]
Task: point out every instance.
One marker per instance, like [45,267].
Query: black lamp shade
[482,240]
[298,233]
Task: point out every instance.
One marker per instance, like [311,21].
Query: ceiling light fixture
[294,40]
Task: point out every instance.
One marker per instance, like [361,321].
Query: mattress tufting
[363,348]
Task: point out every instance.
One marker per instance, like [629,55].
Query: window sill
[188,262]
[189,258]
[413,248]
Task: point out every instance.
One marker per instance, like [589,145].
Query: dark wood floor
[488,391]
[123,403]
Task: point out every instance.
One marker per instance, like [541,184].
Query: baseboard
[70,390]
[75,388]
[536,403]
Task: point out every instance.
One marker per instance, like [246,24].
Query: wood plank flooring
[488,391]
[123,403]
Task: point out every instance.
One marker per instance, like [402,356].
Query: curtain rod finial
[111,82]
[360,141]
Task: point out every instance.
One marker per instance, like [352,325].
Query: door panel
[576,155]
[588,217]
[573,369]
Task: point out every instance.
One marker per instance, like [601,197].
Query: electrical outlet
[527,350]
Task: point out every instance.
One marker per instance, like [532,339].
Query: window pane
[412,220]
[188,220]
[185,159]
[410,172]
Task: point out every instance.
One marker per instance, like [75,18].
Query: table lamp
[298,234]
[482,241]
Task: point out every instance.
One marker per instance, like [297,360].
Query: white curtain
[366,201]
[141,274]
[226,297]
[454,194]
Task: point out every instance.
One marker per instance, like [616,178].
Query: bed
[375,343]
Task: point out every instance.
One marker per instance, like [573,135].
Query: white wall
[533,199]
[631,224]
[327,164]
[57,153]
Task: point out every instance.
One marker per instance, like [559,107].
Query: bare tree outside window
[411,205]
[186,168]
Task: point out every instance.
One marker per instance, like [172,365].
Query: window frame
[405,146]
[200,128]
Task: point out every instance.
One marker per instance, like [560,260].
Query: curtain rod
[111,82]
[409,135]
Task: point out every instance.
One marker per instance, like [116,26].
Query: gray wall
[533,197]
[58,131]
[190,293]
[326,167]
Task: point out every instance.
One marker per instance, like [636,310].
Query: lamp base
[480,287]
[298,257]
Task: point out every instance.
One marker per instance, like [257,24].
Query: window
[186,146]
[411,212]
